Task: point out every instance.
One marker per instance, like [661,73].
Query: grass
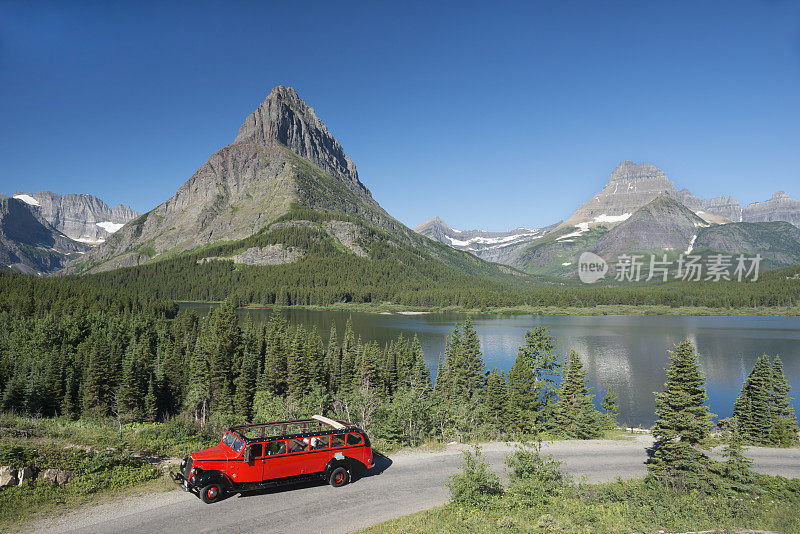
[97,475]
[176,438]
[621,506]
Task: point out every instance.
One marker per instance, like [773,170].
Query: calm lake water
[627,354]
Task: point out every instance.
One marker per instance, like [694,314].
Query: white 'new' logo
[591,268]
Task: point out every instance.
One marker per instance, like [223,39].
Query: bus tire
[212,493]
[339,477]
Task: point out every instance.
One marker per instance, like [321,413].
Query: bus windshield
[233,442]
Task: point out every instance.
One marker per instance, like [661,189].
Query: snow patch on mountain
[110,227]
[27,199]
[691,245]
[603,218]
[582,228]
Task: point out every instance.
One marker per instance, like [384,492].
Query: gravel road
[405,483]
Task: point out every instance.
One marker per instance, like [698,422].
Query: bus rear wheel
[211,493]
[339,477]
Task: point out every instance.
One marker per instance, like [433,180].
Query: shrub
[476,483]
[533,478]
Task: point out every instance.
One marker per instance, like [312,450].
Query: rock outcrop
[8,476]
[779,208]
[58,477]
[27,241]
[269,255]
[25,475]
[81,217]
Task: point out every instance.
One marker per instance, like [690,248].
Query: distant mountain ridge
[81,217]
[490,246]
[602,225]
[28,243]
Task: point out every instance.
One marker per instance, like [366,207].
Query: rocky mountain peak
[285,119]
[631,186]
[628,171]
[778,208]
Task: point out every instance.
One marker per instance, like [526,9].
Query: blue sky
[493,115]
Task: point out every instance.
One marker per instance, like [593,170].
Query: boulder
[59,477]
[8,476]
[50,475]
[64,476]
[25,475]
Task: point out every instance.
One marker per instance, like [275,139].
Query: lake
[627,354]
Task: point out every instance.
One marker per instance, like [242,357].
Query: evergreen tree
[273,377]
[736,468]
[96,387]
[610,409]
[496,399]
[753,409]
[246,383]
[151,400]
[298,370]
[533,379]
[223,351]
[575,413]
[470,369]
[683,422]
[784,428]
[420,375]
[333,360]
[198,396]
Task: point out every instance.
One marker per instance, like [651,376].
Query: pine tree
[587,424]
[151,400]
[198,395]
[496,399]
[223,348]
[610,409]
[471,368]
[532,380]
[753,409]
[349,354]
[96,390]
[368,374]
[298,373]
[784,428]
[575,413]
[683,422]
[246,383]
[68,402]
[333,360]
[420,374]
[273,376]
[736,468]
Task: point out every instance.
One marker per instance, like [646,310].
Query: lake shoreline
[621,310]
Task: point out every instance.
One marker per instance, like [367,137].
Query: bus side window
[256,450]
[276,447]
[298,445]
[338,441]
[320,442]
[354,439]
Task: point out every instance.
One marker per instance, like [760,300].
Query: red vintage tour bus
[251,457]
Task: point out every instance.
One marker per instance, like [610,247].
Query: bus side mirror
[248,454]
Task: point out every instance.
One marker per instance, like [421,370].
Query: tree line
[67,348]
